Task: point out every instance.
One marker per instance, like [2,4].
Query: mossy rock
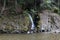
[11,22]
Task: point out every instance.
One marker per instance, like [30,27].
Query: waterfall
[31,19]
[32,26]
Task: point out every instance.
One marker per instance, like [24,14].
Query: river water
[39,36]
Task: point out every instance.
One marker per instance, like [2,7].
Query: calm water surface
[39,36]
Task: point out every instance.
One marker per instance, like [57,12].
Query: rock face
[14,24]
[49,21]
[44,21]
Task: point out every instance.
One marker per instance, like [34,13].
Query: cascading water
[31,19]
[32,26]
